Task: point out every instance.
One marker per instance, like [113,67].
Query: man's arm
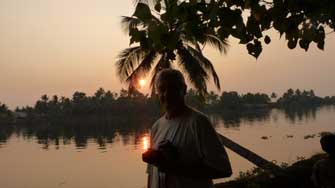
[212,152]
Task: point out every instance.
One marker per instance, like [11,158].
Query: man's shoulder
[199,117]
[156,123]
[194,117]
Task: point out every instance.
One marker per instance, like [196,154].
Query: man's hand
[151,156]
[165,158]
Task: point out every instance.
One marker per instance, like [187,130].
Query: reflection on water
[86,154]
[129,131]
[145,142]
[235,119]
[300,114]
[79,133]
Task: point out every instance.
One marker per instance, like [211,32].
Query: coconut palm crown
[174,32]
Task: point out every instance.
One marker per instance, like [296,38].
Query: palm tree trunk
[249,155]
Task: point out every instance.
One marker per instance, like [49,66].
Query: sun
[142,82]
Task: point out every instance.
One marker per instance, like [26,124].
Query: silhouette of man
[324,169]
[185,150]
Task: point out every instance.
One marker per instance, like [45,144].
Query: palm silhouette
[172,33]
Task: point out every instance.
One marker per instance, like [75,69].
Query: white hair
[171,75]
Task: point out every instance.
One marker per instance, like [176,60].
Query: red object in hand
[159,159]
[151,156]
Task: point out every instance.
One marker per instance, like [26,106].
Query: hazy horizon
[59,47]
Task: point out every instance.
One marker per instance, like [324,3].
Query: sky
[57,47]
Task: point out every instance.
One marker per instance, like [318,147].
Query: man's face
[170,93]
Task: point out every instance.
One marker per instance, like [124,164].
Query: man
[324,170]
[185,150]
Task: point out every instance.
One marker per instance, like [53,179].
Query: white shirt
[196,141]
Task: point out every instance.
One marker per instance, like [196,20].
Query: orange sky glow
[60,46]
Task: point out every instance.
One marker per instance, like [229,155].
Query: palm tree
[175,32]
[273,96]
[179,32]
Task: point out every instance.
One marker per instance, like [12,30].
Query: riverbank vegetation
[292,176]
[111,104]
[6,115]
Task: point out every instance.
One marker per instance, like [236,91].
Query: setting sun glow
[142,82]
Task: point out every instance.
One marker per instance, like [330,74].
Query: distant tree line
[102,103]
[5,113]
[234,101]
[125,104]
[298,98]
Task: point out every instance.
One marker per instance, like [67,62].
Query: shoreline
[296,175]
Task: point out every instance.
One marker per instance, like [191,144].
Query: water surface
[36,157]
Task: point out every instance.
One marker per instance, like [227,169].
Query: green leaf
[267,39]
[171,40]
[320,35]
[303,43]
[143,12]
[171,11]
[321,45]
[292,43]
[155,33]
[136,35]
[223,34]
[193,2]
[145,44]
[164,17]
[213,12]
[255,49]
[244,38]
[216,42]
[158,6]
[266,21]
[253,27]
[239,3]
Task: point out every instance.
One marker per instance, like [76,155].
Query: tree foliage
[173,32]
[106,103]
[4,109]
[297,98]
[301,21]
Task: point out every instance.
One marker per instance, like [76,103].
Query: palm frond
[163,63]
[128,22]
[145,1]
[197,47]
[140,1]
[144,12]
[144,67]
[196,73]
[126,61]
[216,42]
[206,63]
